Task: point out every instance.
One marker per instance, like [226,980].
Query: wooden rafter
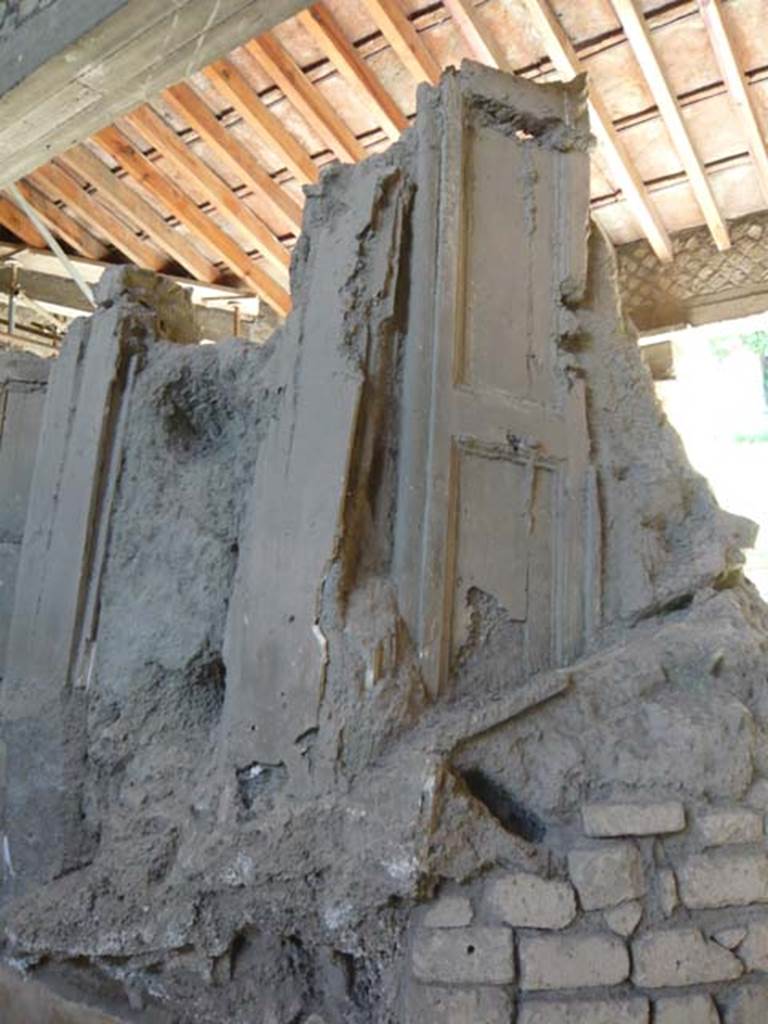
[480,41]
[325,30]
[57,181]
[225,77]
[565,59]
[272,195]
[307,98]
[190,106]
[144,172]
[116,193]
[639,38]
[216,191]
[401,35]
[62,224]
[20,225]
[738,90]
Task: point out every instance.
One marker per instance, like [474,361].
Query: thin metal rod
[42,227]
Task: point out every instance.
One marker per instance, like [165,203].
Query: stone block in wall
[753,951]
[723,826]
[449,912]
[527,901]
[464,956]
[749,1006]
[625,918]
[606,820]
[429,1004]
[723,879]
[667,891]
[673,957]
[698,1009]
[614,1011]
[607,875]
[571,961]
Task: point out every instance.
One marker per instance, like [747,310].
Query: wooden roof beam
[639,38]
[115,192]
[228,81]
[738,90]
[566,60]
[478,38]
[191,107]
[217,192]
[306,98]
[19,224]
[144,172]
[401,35]
[59,183]
[327,33]
[62,224]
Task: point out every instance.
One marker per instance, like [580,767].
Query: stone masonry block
[604,820]
[614,1011]
[526,901]
[625,918]
[606,875]
[464,956]
[674,957]
[698,1009]
[754,949]
[435,1005]
[723,879]
[749,1006]
[449,912]
[667,891]
[571,961]
[721,827]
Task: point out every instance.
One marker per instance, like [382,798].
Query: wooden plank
[230,83]
[639,38]
[57,182]
[217,192]
[62,224]
[308,100]
[282,206]
[190,106]
[144,172]
[480,41]
[85,163]
[18,224]
[326,31]
[404,39]
[738,90]
[104,74]
[566,60]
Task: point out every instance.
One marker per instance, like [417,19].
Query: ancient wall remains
[420,599]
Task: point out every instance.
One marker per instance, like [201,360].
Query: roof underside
[206,181]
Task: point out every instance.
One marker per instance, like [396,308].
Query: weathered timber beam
[61,224]
[738,91]
[401,35]
[564,57]
[11,217]
[116,193]
[307,98]
[59,183]
[225,77]
[217,192]
[144,172]
[480,41]
[326,31]
[639,38]
[62,78]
